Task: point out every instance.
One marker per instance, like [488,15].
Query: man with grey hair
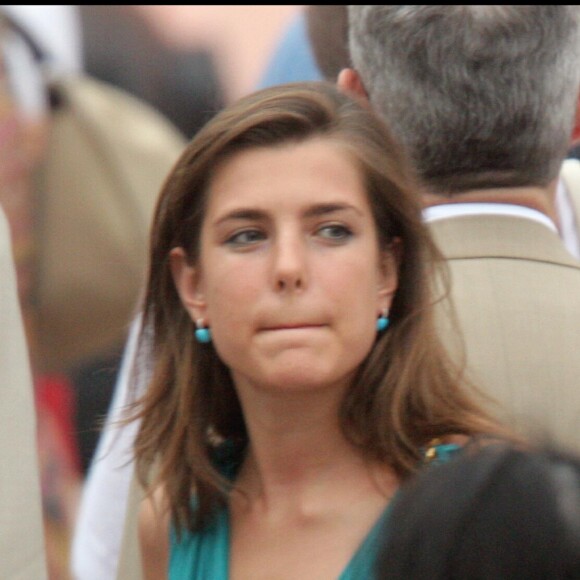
[484,99]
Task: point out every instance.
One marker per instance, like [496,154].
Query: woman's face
[290,277]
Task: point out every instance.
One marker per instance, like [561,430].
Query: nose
[290,264]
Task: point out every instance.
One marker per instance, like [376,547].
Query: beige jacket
[22,555]
[516,292]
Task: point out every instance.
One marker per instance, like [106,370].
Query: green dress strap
[362,563]
[203,555]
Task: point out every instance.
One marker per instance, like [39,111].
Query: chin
[305,377]
[296,369]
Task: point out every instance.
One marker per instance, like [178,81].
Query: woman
[298,377]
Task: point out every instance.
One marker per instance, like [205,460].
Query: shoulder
[154,518]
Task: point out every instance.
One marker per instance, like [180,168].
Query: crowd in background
[183,64]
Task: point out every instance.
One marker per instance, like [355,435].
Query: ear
[576,131]
[349,82]
[389,273]
[187,280]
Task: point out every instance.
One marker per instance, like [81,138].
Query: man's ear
[187,281]
[349,82]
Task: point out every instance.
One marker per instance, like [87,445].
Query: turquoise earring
[202,335]
[383,321]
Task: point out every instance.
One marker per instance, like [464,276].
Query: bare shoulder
[154,535]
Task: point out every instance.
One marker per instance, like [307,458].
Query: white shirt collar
[568,228]
[453,210]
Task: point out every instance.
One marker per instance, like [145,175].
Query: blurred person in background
[484,99]
[84,143]
[121,47]
[327,30]
[25,131]
[493,514]
[241,38]
[22,540]
[292,59]
[313,47]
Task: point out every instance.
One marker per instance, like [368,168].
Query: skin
[291,281]
[289,260]
[154,536]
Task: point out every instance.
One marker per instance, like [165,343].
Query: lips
[292,326]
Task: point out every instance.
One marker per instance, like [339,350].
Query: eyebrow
[326,208]
[317,210]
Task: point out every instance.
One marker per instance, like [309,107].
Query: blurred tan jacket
[570,177]
[107,156]
[516,291]
[22,555]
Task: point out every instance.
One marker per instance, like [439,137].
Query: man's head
[483,96]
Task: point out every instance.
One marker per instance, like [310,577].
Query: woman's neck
[298,458]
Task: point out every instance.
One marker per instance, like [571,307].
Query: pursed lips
[292,326]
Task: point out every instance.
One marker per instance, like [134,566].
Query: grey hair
[481,96]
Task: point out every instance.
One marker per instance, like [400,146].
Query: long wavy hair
[406,391]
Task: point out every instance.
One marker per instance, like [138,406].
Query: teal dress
[205,555]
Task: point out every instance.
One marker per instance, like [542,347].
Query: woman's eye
[246,237]
[335,232]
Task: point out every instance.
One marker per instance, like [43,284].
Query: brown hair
[406,391]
